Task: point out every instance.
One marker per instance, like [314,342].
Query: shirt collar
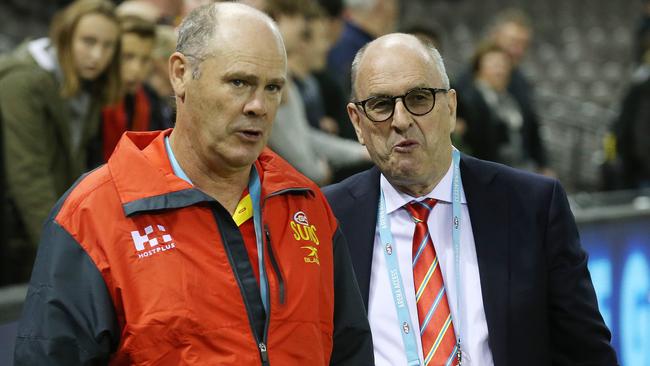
[441,192]
[178,171]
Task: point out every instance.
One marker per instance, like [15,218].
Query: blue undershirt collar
[178,171]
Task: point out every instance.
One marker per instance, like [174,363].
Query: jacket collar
[359,222]
[488,205]
[145,180]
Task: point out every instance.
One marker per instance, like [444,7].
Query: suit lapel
[488,210]
[364,196]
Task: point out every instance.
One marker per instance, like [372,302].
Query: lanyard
[392,265]
[455,238]
[255,191]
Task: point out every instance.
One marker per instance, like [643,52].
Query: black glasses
[418,102]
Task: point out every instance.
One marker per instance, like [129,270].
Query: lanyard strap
[255,191]
[393,270]
[455,236]
[396,285]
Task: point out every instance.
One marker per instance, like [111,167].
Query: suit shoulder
[516,179]
[349,186]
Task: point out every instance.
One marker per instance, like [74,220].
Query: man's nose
[256,104]
[402,118]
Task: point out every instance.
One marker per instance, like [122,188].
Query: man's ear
[452,104]
[180,74]
[355,118]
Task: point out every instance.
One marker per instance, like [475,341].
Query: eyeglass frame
[434,91]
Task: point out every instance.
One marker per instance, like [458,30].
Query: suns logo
[301,228]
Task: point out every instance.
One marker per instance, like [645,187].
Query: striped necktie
[436,328]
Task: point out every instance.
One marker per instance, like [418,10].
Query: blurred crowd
[66,99]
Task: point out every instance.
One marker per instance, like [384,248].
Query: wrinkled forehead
[247,56]
[396,68]
[254,60]
[248,37]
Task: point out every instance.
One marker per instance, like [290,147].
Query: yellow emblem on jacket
[301,228]
[312,257]
[244,210]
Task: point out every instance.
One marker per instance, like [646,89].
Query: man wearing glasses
[459,261]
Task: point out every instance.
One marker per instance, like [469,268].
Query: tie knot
[420,210]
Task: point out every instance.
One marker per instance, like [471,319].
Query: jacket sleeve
[24,123]
[68,317]
[578,333]
[352,337]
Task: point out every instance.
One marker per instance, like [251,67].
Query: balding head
[222,21]
[404,112]
[396,43]
[227,76]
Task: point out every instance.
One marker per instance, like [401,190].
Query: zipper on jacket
[276,269]
[263,353]
[260,344]
[274,264]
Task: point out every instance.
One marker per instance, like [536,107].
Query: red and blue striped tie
[436,328]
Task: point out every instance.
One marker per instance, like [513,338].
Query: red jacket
[140,268]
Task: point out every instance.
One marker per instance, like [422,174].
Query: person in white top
[514,279]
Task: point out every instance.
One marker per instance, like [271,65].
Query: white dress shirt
[468,317]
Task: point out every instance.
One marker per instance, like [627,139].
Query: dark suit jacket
[538,298]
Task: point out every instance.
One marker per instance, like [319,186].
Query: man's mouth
[250,134]
[405,146]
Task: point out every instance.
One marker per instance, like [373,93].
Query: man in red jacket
[197,246]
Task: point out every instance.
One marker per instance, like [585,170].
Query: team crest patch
[305,232]
[301,218]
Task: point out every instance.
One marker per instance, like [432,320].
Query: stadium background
[581,63]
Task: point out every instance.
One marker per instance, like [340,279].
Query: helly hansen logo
[158,241]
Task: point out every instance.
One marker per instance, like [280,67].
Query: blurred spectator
[365,21]
[493,117]
[315,153]
[426,32]
[164,46]
[51,93]
[311,57]
[170,10]
[310,54]
[632,135]
[141,9]
[511,30]
[140,108]
[333,19]
[325,31]
[642,33]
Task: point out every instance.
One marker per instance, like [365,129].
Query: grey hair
[194,34]
[433,53]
